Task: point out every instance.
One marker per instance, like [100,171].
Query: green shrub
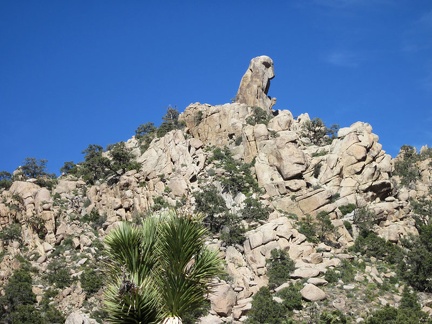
[333,317]
[371,245]
[265,309]
[210,203]
[279,268]
[318,133]
[308,229]
[170,122]
[292,298]
[38,226]
[5,180]
[254,210]
[159,203]
[259,116]
[69,168]
[318,229]
[237,176]
[11,233]
[58,273]
[94,219]
[145,134]
[332,276]
[17,305]
[417,266]
[91,281]
[364,219]
[232,231]
[406,167]
[346,209]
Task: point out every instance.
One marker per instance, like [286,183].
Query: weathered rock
[222,299]
[78,318]
[255,84]
[312,293]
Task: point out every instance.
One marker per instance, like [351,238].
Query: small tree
[406,167]
[145,133]
[5,180]
[265,309]
[33,168]
[318,133]
[279,268]
[170,122]
[121,159]
[95,165]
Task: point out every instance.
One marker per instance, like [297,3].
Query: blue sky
[74,73]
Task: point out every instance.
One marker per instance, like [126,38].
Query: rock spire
[255,84]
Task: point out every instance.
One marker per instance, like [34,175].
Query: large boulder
[255,84]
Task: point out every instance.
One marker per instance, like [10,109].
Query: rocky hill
[265,181]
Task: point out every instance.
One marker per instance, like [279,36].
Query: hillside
[347,215]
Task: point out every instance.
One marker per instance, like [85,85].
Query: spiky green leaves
[158,270]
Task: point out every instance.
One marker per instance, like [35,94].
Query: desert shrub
[159,203]
[333,317]
[292,298]
[259,116]
[170,122]
[232,230]
[371,245]
[122,159]
[347,271]
[406,167]
[346,209]
[58,274]
[237,176]
[332,276]
[318,229]
[317,170]
[145,133]
[192,317]
[265,309]
[69,167]
[254,210]
[11,233]
[279,268]
[364,219]
[210,203]
[91,281]
[38,226]
[417,266]
[307,228]
[33,168]
[5,180]
[17,303]
[409,312]
[348,227]
[198,117]
[94,219]
[95,166]
[318,133]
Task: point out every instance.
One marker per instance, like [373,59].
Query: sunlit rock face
[255,84]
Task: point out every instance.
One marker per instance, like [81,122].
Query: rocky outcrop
[297,179]
[255,84]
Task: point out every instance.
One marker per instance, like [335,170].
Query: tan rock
[222,299]
[255,83]
[311,292]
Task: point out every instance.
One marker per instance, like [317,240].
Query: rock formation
[296,178]
[255,84]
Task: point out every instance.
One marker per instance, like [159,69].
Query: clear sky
[74,73]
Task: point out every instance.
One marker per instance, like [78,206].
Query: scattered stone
[311,292]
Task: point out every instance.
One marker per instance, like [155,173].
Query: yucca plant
[159,271]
